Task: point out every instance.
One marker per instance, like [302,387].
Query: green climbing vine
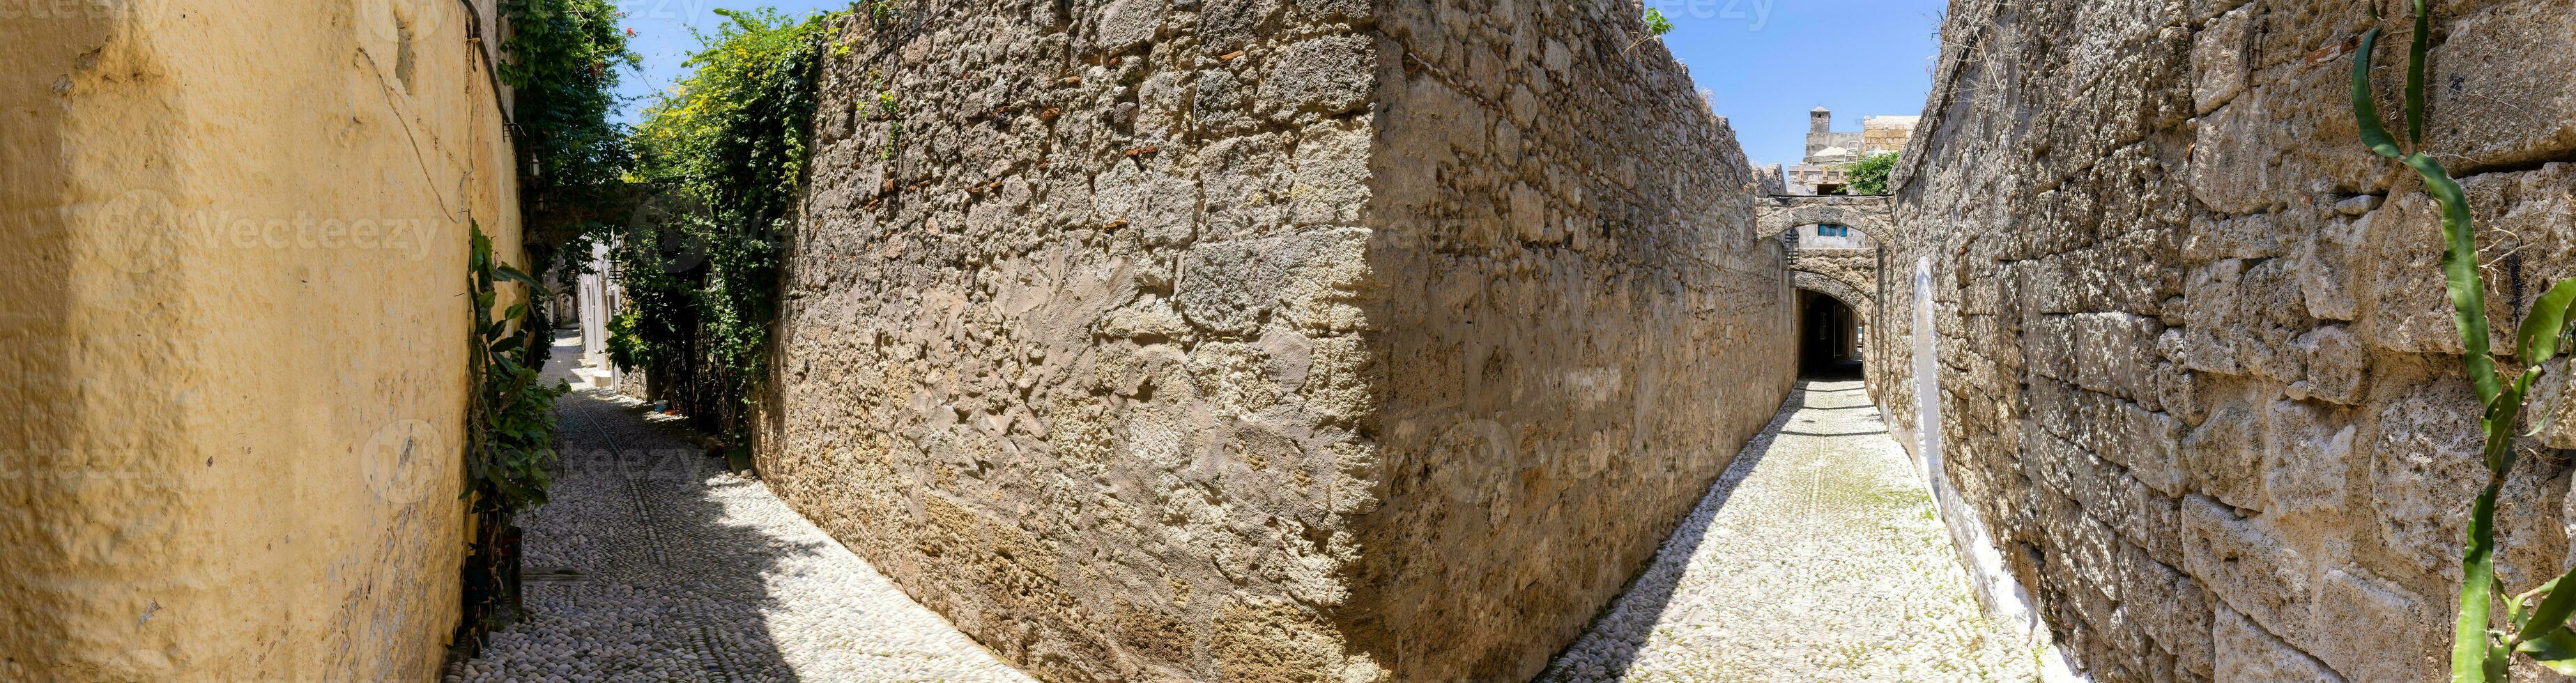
[563,60]
[510,429]
[726,149]
[2536,621]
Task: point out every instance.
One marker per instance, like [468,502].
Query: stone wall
[236,334]
[2196,368]
[1264,340]
[1582,326]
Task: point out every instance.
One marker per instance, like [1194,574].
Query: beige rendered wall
[2198,374]
[1259,340]
[234,336]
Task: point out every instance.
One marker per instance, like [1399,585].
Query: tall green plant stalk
[510,431]
[2536,622]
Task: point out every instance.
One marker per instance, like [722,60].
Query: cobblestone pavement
[652,563]
[1817,557]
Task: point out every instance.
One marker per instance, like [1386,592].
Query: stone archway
[1839,290]
[1843,270]
[1875,216]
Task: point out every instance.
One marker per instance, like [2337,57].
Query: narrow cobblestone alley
[1818,552]
[652,563]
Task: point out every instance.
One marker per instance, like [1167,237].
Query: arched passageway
[1829,334]
[1733,588]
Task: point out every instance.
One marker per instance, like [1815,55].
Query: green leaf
[2415,66]
[2460,272]
[510,272]
[2555,649]
[2546,324]
[2469,647]
[2553,611]
[2365,105]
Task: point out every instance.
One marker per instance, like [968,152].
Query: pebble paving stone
[1817,556]
[651,563]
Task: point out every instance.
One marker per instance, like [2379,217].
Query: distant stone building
[1830,151]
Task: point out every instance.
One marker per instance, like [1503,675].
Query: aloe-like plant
[2535,622]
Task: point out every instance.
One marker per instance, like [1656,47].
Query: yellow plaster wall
[232,361]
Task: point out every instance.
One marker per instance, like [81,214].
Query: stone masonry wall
[2197,369]
[1267,339]
[1581,326]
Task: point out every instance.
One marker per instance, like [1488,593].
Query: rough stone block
[2247,653]
[2425,460]
[2305,460]
[2219,62]
[2338,367]
[2248,566]
[2225,454]
[2493,109]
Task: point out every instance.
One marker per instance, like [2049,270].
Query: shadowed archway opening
[1829,334]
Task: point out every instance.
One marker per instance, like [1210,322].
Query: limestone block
[2220,65]
[2338,367]
[2226,453]
[2052,347]
[1160,204]
[2424,461]
[1126,23]
[1229,25]
[1228,288]
[2209,338]
[2246,237]
[1332,175]
[2150,444]
[2493,109]
[2335,267]
[2245,652]
[1220,105]
[2349,602]
[2247,565]
[2270,317]
[1247,185]
[2114,352]
[1326,76]
[2305,460]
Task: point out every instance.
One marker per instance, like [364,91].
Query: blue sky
[1768,61]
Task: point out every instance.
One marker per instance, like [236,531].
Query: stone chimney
[1820,121]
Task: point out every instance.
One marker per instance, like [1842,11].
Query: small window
[1833,231]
